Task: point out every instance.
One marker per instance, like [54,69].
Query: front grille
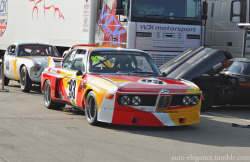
[163,102]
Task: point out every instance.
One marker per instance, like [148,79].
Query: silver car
[24,62]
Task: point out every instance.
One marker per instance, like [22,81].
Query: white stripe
[226,116]
[4,158]
[165,119]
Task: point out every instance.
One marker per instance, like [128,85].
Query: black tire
[25,81]
[6,81]
[91,109]
[49,103]
[209,96]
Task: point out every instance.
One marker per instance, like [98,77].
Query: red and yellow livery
[120,86]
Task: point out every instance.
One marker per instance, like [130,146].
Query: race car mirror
[79,73]
[164,74]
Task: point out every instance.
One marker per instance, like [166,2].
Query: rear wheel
[209,96]
[49,103]
[91,109]
[25,81]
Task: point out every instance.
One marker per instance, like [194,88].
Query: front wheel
[91,109]
[209,96]
[25,81]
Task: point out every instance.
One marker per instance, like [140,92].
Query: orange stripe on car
[48,61]
[15,72]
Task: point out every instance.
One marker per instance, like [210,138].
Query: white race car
[24,62]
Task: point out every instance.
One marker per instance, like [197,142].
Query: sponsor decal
[164,91]
[167,28]
[41,5]
[113,30]
[192,30]
[3,16]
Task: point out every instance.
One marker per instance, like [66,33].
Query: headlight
[136,100]
[37,67]
[195,100]
[186,100]
[191,100]
[125,100]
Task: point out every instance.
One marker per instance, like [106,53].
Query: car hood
[193,63]
[148,84]
[38,59]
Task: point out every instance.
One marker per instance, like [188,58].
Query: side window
[79,60]
[238,11]
[11,50]
[68,61]
[76,60]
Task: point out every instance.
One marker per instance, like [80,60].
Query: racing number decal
[72,88]
[95,58]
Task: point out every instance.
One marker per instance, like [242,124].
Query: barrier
[2,75]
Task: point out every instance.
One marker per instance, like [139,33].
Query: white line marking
[227,116]
[4,158]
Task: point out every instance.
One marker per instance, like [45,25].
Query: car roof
[115,49]
[91,48]
[31,43]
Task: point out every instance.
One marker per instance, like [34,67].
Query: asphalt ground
[29,132]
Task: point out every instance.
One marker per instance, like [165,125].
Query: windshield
[37,50]
[240,68]
[167,11]
[126,62]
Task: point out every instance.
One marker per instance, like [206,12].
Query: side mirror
[236,19]
[236,12]
[236,8]
[164,74]
[79,73]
